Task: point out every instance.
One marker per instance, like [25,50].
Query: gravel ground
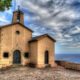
[27,73]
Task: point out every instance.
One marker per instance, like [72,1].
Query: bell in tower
[18,16]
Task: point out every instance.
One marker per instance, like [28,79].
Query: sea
[74,58]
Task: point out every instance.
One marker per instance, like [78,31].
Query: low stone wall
[69,65]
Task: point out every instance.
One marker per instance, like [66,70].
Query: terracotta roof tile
[40,37]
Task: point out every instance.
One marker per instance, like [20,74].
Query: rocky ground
[27,73]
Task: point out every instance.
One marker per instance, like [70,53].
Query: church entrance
[17,57]
[46,57]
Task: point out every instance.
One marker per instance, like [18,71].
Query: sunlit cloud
[59,18]
[58,15]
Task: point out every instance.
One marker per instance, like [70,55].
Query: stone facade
[15,38]
[11,41]
[38,48]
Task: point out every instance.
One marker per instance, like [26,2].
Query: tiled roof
[40,37]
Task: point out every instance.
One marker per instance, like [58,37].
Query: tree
[5,4]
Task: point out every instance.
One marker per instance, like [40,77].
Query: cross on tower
[18,16]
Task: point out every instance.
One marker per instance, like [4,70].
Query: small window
[6,55]
[26,55]
[17,32]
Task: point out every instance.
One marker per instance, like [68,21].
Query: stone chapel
[17,46]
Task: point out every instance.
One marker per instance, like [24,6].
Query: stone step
[16,65]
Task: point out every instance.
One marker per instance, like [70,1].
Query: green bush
[5,4]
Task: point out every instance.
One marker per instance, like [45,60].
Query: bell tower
[18,16]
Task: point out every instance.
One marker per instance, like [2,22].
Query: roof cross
[16,5]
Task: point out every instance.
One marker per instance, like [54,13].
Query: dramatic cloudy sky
[58,18]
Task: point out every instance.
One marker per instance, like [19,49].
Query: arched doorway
[46,57]
[17,57]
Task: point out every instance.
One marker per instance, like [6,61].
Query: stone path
[27,73]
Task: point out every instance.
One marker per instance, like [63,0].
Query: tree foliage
[5,4]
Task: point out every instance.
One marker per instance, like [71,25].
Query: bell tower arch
[18,16]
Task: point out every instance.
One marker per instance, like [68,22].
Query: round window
[17,32]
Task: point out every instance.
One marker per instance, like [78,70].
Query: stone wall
[33,52]
[44,45]
[37,52]
[11,41]
[69,65]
